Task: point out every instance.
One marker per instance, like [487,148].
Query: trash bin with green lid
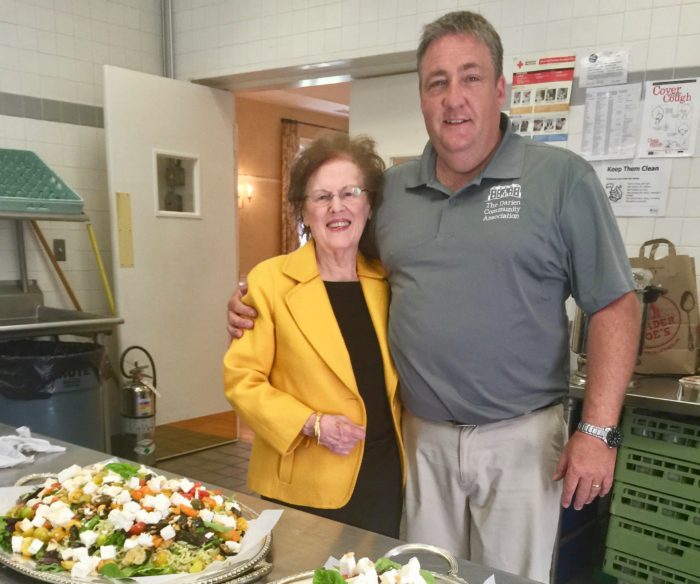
[53,387]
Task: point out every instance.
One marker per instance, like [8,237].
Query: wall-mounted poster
[603,68]
[540,96]
[670,118]
[636,188]
[611,122]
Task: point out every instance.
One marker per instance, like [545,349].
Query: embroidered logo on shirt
[503,202]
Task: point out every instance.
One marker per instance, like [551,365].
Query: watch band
[611,436]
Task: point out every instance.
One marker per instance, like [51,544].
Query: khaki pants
[485,493]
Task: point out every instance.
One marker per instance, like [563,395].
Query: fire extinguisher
[138,409]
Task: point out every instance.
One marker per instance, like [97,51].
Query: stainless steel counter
[300,541]
[659,393]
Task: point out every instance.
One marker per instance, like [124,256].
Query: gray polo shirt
[478,278]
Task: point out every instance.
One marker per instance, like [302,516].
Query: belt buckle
[457,424]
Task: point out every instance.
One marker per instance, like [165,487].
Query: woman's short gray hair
[465,23]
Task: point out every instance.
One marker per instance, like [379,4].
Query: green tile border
[51,110]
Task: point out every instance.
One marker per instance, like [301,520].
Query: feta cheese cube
[17,543]
[88,538]
[347,565]
[68,473]
[84,568]
[186,485]
[131,507]
[35,546]
[123,497]
[206,515]
[108,552]
[168,532]
[155,484]
[111,477]
[234,546]
[226,520]
[80,554]
[134,483]
[120,519]
[130,544]
[145,540]
[178,499]
[89,488]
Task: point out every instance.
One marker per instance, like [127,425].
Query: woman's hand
[337,433]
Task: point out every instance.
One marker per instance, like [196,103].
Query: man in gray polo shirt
[483,239]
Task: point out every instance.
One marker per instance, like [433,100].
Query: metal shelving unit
[24,314]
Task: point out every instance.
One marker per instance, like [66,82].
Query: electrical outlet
[59,249]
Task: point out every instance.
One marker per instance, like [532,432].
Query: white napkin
[14,449]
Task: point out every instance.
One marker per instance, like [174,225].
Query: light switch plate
[59,250]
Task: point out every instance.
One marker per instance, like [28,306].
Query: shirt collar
[506,163]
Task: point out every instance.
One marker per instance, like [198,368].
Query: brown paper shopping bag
[670,335]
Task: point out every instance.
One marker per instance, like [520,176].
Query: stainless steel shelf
[57,321]
[655,393]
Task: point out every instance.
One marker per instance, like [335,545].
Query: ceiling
[333,99]
[322,87]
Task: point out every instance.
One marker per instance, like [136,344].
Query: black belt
[458,424]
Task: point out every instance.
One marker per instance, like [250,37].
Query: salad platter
[114,520]
[384,570]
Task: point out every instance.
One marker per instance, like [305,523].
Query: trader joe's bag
[671,332]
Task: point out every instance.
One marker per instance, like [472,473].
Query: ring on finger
[596,486]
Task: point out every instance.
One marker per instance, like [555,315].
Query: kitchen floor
[225,466]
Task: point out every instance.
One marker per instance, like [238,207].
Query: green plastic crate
[668,434]
[628,568]
[654,544]
[27,185]
[658,472]
[657,509]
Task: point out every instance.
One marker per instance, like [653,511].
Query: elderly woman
[314,379]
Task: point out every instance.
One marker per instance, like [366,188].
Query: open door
[170,160]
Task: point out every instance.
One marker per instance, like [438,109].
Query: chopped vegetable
[122,520]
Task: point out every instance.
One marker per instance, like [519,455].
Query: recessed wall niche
[177,179]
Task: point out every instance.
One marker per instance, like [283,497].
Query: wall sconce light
[245,191]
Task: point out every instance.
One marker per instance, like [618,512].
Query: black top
[356,326]
[377,499]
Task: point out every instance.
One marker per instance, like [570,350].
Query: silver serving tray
[451,577]
[245,573]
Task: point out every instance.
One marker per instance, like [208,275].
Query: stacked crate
[654,531]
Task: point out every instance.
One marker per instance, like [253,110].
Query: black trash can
[53,387]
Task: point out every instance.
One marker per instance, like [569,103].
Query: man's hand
[337,433]
[240,315]
[587,466]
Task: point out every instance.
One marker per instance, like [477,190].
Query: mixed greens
[122,520]
[364,571]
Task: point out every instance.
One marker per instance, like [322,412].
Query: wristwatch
[612,435]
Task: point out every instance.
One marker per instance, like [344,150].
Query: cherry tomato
[137,528]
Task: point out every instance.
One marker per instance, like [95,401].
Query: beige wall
[260,156]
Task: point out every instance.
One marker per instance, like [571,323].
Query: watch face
[614,438]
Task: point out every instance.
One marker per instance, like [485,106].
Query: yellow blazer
[294,363]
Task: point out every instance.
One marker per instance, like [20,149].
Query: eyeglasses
[347,194]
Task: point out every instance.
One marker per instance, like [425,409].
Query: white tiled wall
[55,49]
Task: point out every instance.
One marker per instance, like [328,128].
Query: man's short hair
[465,23]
